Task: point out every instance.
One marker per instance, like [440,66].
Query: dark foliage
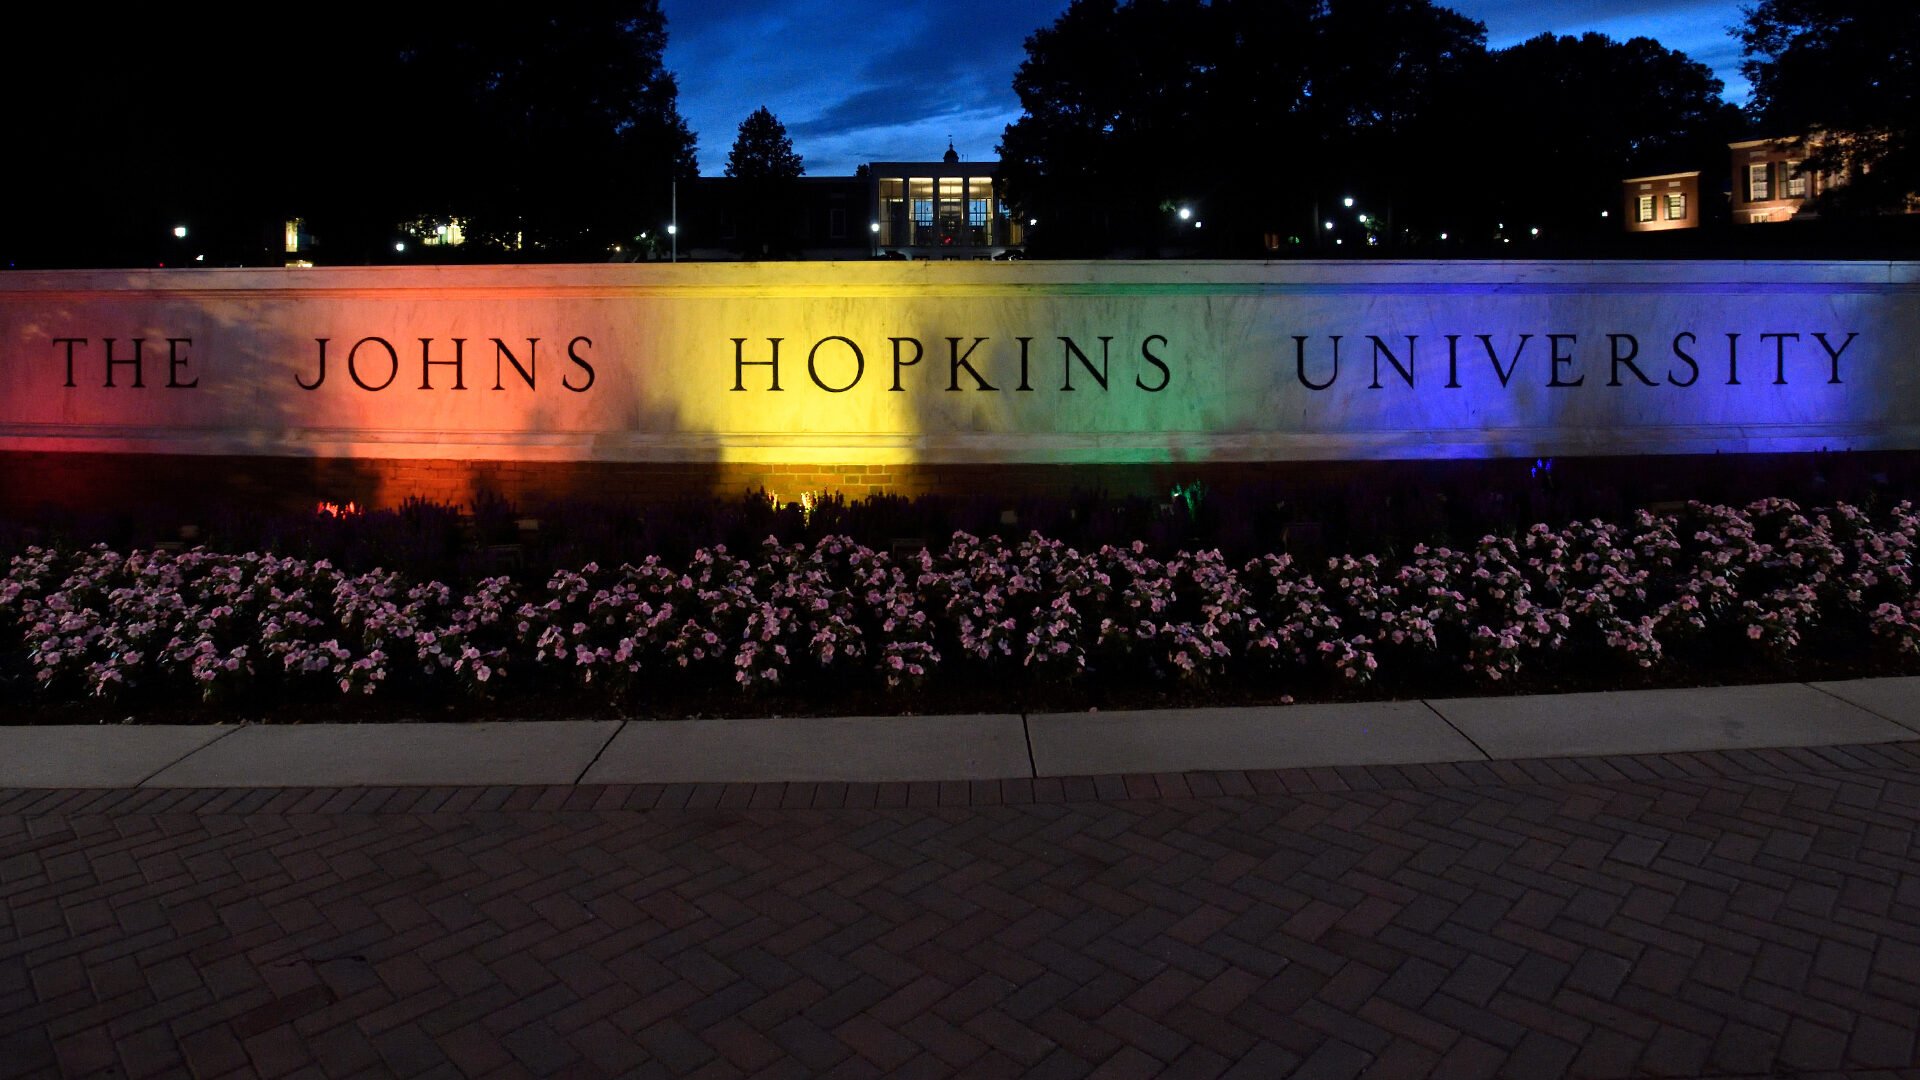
[550,127]
[1264,118]
[1848,70]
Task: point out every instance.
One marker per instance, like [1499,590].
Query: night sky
[892,80]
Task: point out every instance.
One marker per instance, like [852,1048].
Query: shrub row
[155,625]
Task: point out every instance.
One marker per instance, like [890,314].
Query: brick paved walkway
[1710,914]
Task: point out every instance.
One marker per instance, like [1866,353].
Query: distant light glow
[1347,202]
[1186,214]
[180,232]
[673,230]
[399,245]
[873,227]
[1329,225]
[1603,213]
[1443,236]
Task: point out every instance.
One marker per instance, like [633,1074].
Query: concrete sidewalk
[991,747]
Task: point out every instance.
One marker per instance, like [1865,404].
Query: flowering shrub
[1765,578]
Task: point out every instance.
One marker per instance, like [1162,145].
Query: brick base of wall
[31,483]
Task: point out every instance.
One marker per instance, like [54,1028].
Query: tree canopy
[762,150]
[1849,69]
[1266,116]
[1580,114]
[552,127]
[762,202]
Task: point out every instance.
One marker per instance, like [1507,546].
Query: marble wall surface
[891,362]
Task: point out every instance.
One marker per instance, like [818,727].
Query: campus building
[947,209]
[1770,180]
[1660,203]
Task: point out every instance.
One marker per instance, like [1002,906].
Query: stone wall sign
[965,362]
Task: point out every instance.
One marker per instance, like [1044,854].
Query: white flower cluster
[103,624]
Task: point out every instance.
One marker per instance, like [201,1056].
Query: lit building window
[294,228]
[893,211]
[1676,206]
[1643,210]
[920,198]
[1796,181]
[953,194]
[1758,189]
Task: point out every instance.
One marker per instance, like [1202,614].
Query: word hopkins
[836,364]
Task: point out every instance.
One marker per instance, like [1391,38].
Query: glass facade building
[940,210]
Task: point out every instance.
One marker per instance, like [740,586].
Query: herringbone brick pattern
[1729,914]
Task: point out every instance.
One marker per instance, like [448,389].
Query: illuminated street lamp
[1347,202]
[1186,214]
[179,232]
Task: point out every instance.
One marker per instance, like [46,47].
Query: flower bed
[1714,584]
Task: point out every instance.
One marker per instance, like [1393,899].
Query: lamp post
[673,226]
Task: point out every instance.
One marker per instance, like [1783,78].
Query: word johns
[1562,363]
[382,365]
[836,364]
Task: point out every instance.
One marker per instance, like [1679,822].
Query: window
[952,200]
[1676,206]
[836,224]
[920,203]
[1758,190]
[893,211]
[1643,209]
[1796,184]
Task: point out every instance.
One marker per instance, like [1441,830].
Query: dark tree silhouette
[1851,69]
[762,150]
[554,129]
[1247,111]
[554,126]
[1565,119]
[763,200]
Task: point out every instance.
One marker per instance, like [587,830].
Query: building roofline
[1662,176]
[1744,143]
